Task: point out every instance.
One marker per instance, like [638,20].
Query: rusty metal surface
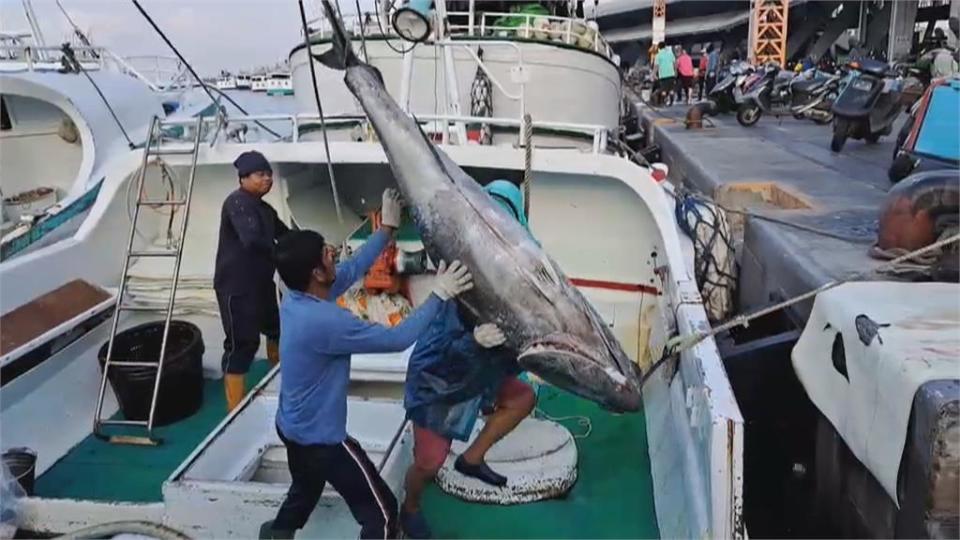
[31,320]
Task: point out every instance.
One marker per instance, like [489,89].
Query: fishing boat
[226,81]
[558,70]
[672,470]
[279,84]
[59,129]
[243,82]
[258,83]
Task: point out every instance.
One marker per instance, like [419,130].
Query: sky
[211,34]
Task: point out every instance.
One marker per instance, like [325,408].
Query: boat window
[5,123]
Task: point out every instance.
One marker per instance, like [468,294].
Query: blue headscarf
[509,196]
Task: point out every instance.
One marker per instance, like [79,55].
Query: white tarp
[895,337]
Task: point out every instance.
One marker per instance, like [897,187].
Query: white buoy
[539,459]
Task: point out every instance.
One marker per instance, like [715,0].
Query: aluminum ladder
[153,147]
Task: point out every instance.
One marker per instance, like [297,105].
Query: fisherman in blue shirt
[316,342]
[456,371]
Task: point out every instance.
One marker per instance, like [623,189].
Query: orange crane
[768,31]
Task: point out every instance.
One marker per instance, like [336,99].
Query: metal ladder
[153,137]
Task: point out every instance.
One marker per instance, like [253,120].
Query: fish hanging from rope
[554,331]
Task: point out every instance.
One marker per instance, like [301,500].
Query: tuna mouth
[563,361]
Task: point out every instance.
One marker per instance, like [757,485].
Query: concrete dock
[782,168]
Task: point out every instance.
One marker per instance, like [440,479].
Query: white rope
[582,421]
[679,344]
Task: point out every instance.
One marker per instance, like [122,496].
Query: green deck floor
[613,496]
[100,471]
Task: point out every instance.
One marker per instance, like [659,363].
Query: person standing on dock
[685,69]
[713,66]
[702,71]
[666,69]
[243,276]
[317,342]
[455,371]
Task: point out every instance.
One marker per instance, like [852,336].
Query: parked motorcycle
[868,104]
[813,95]
[722,93]
[780,93]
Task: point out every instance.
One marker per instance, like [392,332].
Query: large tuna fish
[553,329]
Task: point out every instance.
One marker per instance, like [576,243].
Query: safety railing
[547,28]
[598,133]
[165,72]
[35,58]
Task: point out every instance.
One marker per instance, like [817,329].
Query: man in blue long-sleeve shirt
[316,343]
[243,276]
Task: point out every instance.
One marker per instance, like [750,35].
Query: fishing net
[715,266]
[481,102]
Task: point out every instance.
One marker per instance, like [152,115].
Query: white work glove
[390,211]
[451,281]
[489,336]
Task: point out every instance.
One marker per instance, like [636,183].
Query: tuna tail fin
[341,55]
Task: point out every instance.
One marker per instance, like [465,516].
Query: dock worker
[456,371]
[666,69]
[243,276]
[316,344]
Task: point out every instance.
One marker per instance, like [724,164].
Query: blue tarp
[940,133]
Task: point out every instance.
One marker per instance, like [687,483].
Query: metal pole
[470,16]
[406,77]
[892,31]
[35,29]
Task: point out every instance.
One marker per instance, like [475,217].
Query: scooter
[781,92]
[722,93]
[812,96]
[868,105]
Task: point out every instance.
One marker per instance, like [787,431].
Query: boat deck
[613,496]
[96,470]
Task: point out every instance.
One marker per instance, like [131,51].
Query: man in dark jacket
[243,278]
[456,371]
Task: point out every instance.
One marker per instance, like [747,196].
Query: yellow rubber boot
[273,352]
[234,385]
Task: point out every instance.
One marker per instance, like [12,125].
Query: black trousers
[711,81]
[244,317]
[347,467]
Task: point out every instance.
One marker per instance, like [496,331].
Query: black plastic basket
[181,384]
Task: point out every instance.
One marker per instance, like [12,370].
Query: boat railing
[45,58]
[166,72]
[597,132]
[547,28]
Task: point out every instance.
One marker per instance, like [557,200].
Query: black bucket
[23,466]
[181,384]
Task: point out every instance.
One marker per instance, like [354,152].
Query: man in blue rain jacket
[455,371]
